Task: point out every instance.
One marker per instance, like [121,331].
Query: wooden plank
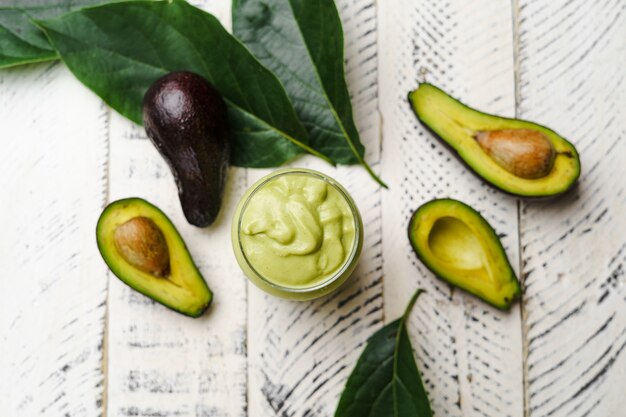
[571,78]
[53,180]
[162,363]
[301,353]
[470,354]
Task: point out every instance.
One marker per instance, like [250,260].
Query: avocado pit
[525,153]
[142,244]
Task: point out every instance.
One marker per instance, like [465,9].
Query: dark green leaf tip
[386,381]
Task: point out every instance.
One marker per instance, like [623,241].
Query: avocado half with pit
[458,245]
[142,248]
[519,157]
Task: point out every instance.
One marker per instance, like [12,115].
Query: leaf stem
[373,175]
[409,306]
[317,153]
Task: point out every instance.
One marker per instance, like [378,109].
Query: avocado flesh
[458,245]
[457,125]
[184,289]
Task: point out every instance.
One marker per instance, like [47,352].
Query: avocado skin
[568,185]
[186,119]
[193,299]
[512,278]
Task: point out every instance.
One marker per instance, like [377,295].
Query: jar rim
[355,214]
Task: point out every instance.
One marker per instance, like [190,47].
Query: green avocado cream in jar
[297,234]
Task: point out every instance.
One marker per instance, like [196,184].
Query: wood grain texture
[469,353]
[572,78]
[161,363]
[301,353]
[53,180]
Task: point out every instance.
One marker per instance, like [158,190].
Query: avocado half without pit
[458,245]
[516,156]
[142,248]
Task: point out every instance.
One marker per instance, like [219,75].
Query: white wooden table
[74,341]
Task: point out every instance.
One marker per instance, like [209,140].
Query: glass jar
[273,233]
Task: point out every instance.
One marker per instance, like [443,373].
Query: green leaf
[302,42]
[119,50]
[21,41]
[385,381]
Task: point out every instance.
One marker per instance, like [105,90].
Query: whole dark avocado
[186,119]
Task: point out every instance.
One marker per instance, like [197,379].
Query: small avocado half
[142,248]
[458,245]
[519,157]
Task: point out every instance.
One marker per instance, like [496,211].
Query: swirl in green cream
[297,230]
